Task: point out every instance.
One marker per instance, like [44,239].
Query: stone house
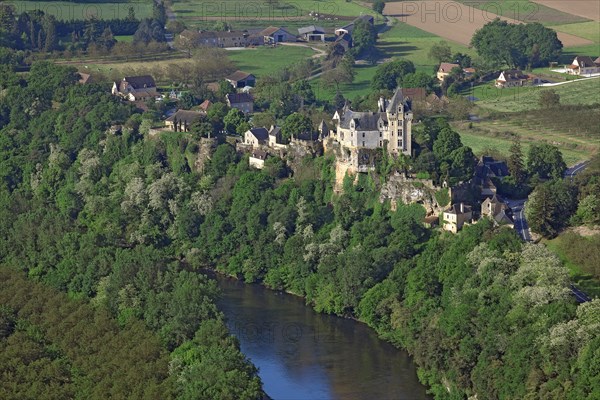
[256,137]
[182,120]
[241,79]
[515,78]
[257,158]
[456,216]
[445,69]
[136,88]
[242,101]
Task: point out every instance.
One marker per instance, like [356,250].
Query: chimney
[381,104]
[462,207]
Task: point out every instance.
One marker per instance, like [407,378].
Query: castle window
[380,134]
[399,143]
[363,143]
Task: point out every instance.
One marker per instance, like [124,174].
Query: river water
[303,355]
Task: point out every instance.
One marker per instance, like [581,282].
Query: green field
[524,10]
[583,91]
[483,138]
[238,10]
[63,10]
[264,61]
[588,30]
[401,41]
[582,278]
[124,38]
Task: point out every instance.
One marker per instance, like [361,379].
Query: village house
[515,77]
[256,137]
[257,158]
[497,211]
[445,69]
[182,120]
[276,138]
[241,101]
[136,88]
[274,35]
[347,29]
[456,216]
[241,79]
[583,65]
[390,126]
[312,33]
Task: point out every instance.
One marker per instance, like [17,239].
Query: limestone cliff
[408,190]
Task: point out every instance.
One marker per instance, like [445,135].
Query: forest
[117,227]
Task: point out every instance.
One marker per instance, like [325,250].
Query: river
[304,355]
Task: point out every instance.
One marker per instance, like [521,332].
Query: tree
[549,99]
[516,165]
[440,52]
[389,74]
[446,142]
[546,161]
[296,124]
[588,210]
[338,100]
[303,89]
[364,37]
[235,122]
[463,163]
[516,45]
[464,60]
[549,207]
[378,6]
[417,80]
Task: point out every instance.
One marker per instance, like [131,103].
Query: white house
[583,65]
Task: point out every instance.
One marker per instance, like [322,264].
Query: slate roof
[239,76]
[311,29]
[584,61]
[262,134]
[186,116]
[237,98]
[395,101]
[274,131]
[260,154]
[272,29]
[447,67]
[455,209]
[140,82]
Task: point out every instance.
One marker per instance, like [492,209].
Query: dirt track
[582,8]
[455,21]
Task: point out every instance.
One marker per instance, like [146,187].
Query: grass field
[524,10]
[583,279]
[497,136]
[63,10]
[400,41]
[589,30]
[582,91]
[124,38]
[264,61]
[261,10]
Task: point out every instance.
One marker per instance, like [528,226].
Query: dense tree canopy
[517,45]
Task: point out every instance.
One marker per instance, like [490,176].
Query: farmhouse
[256,137]
[222,39]
[444,70]
[136,88]
[276,138]
[182,120]
[205,105]
[312,33]
[241,101]
[390,126]
[456,216]
[274,35]
[514,78]
[240,79]
[583,65]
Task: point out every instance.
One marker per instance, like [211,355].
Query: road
[518,208]
[574,170]
[579,295]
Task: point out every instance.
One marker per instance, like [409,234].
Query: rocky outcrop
[205,149]
[399,188]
